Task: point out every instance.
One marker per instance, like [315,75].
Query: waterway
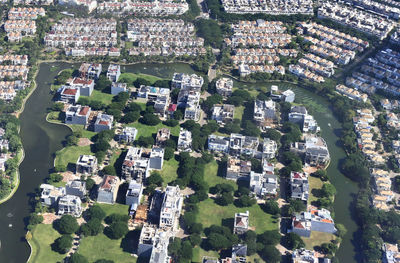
[42,139]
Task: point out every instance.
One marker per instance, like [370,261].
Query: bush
[60,168]
[117,230]
[55,177]
[58,106]
[35,219]
[62,244]
[67,224]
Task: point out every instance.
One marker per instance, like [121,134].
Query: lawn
[212,214]
[145,130]
[317,239]
[85,133]
[212,178]
[315,184]
[131,77]
[199,253]
[70,155]
[115,209]
[168,171]
[102,247]
[54,116]
[43,237]
[238,112]
[101,96]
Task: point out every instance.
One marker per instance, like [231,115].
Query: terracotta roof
[70,91]
[84,110]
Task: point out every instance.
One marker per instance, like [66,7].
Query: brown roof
[69,91]
[84,110]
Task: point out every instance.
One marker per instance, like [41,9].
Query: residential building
[263,184]
[237,169]
[86,86]
[391,253]
[223,113]
[218,143]
[300,116]
[134,194]
[351,93]
[128,134]
[304,256]
[86,164]
[117,87]
[135,165]
[69,94]
[184,141]
[288,96]
[70,205]
[108,189]
[314,150]
[270,147]
[171,208]
[224,87]
[239,253]
[162,136]
[153,244]
[313,220]
[50,194]
[241,223]
[156,159]
[77,114]
[90,71]
[264,113]
[113,72]
[183,81]
[103,122]
[299,186]
[243,145]
[76,188]
[278,7]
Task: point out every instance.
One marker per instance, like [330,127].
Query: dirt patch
[310,169]
[84,142]
[49,218]
[69,176]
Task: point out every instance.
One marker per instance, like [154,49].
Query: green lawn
[71,154]
[101,247]
[213,214]
[42,238]
[315,183]
[168,171]
[317,239]
[199,253]
[54,116]
[131,77]
[145,130]
[212,178]
[101,96]
[238,112]
[115,209]
[85,133]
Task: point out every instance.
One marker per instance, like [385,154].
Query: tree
[92,228]
[270,254]
[169,153]
[109,170]
[297,205]
[250,129]
[133,106]
[272,134]
[171,122]
[196,228]
[328,190]
[58,106]
[35,219]
[95,212]
[155,178]
[104,261]
[67,224]
[55,177]
[293,241]
[131,116]
[116,218]
[90,183]
[151,119]
[102,83]
[245,201]
[341,230]
[195,239]
[78,258]
[322,174]
[224,199]
[146,141]
[62,244]
[218,241]
[117,230]
[271,237]
[272,207]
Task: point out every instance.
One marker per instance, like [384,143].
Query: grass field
[105,98]
[212,178]
[168,171]
[131,77]
[115,209]
[42,238]
[317,239]
[70,154]
[85,133]
[315,184]
[212,214]
[238,113]
[145,130]
[199,253]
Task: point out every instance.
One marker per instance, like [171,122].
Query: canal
[42,139]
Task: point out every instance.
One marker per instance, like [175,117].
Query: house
[86,86]
[223,113]
[303,255]
[103,122]
[156,159]
[108,189]
[244,70]
[288,96]
[300,116]
[241,223]
[299,186]
[113,72]
[391,253]
[117,87]
[86,164]
[239,253]
[69,205]
[269,148]
[224,87]
[76,188]
[184,81]
[245,145]
[263,184]
[218,143]
[69,94]
[237,169]
[50,194]
[171,208]
[153,244]
[314,150]
[90,71]
[184,141]
[313,220]
[77,114]
[134,194]
[162,136]
[127,135]
[264,113]
[135,165]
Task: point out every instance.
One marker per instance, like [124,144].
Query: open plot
[131,77]
[169,170]
[70,155]
[145,130]
[101,96]
[42,238]
[213,175]
[317,239]
[315,186]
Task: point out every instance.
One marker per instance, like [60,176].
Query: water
[41,140]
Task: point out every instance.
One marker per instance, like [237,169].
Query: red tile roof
[84,110]
[69,91]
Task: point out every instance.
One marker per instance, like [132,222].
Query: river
[41,140]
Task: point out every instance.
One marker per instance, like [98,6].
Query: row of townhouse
[255,60]
[245,69]
[358,19]
[334,36]
[351,93]
[9,89]
[382,185]
[25,13]
[316,67]
[144,8]
[266,52]
[304,73]
[167,51]
[100,51]
[389,104]
[14,72]
[273,7]
[13,75]
[392,120]
[14,59]
[395,37]
[377,7]
[33,2]
[382,71]
[16,29]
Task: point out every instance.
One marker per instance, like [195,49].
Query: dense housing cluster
[21,22]
[273,7]
[144,8]
[14,71]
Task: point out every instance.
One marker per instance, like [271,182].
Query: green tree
[109,170]
[131,116]
[155,178]
[92,228]
[270,254]
[168,153]
[117,230]
[102,83]
[272,207]
[151,119]
[58,106]
[77,258]
[67,224]
[146,141]
[328,190]
[95,211]
[62,244]
[293,241]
